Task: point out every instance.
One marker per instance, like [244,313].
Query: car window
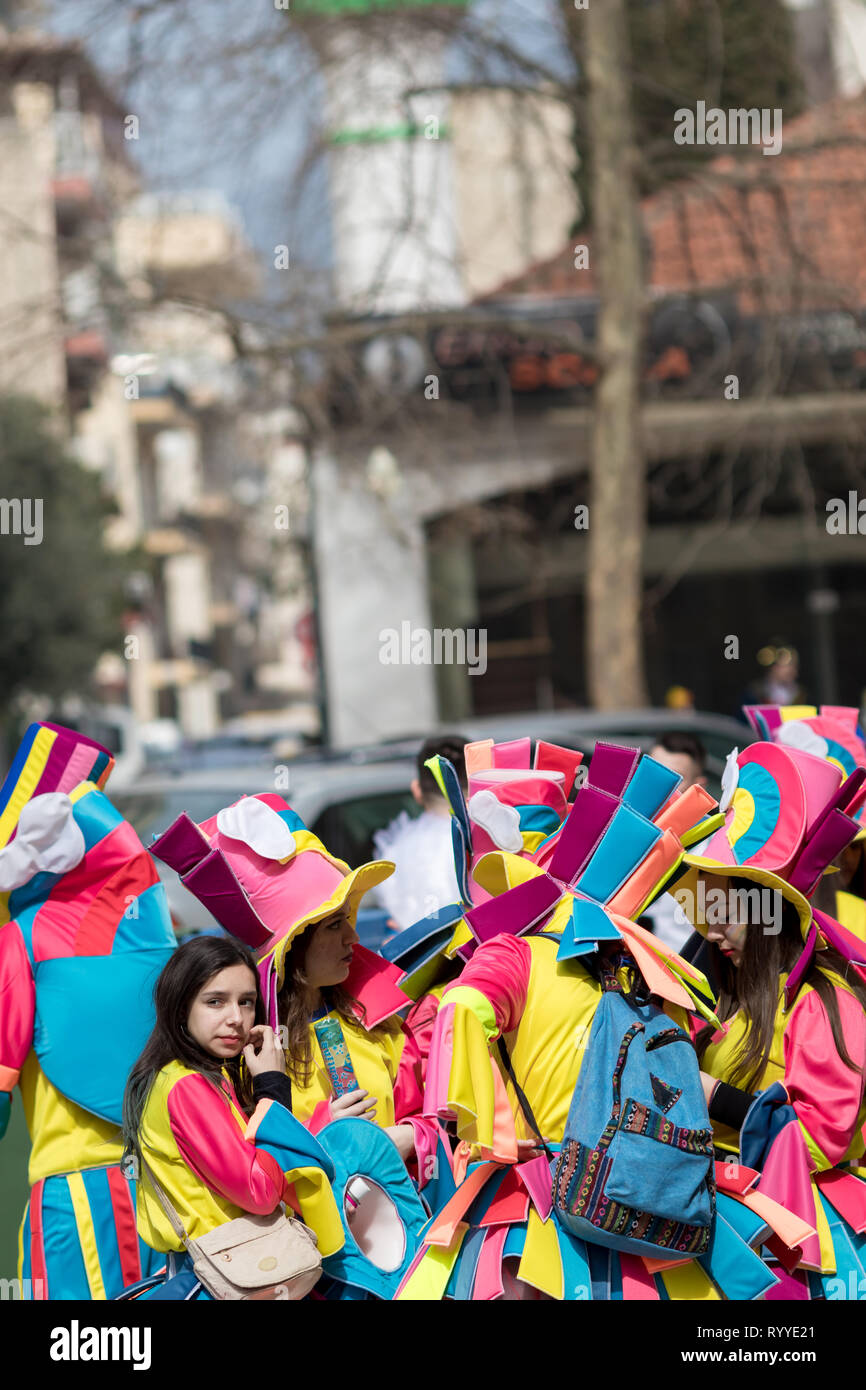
[718,746]
[347,828]
[150,813]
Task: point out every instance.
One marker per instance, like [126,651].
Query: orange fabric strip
[790,1229]
[442,1233]
[8,1078]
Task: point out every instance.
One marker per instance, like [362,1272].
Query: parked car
[343,803]
[581,728]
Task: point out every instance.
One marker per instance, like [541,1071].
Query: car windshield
[152,812]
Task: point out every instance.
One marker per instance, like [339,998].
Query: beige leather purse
[252,1257]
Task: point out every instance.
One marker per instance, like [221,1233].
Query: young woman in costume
[784,1073]
[313,991]
[272,883]
[831,732]
[533,983]
[207,1113]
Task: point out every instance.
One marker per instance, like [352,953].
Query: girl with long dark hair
[272,882]
[313,990]
[784,1074]
[207,1110]
[753,966]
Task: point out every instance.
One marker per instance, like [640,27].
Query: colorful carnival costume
[788,814]
[266,878]
[532,982]
[86,933]
[511,806]
[217,1164]
[831,732]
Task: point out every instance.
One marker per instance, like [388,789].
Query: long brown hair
[187,971]
[295,1002]
[754,985]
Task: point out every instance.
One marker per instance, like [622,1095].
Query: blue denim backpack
[636,1167]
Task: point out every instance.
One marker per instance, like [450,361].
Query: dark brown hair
[187,971]
[753,987]
[295,1006]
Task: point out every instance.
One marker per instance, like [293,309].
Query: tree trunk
[617,511]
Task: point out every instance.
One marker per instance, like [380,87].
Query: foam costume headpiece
[621,844]
[91,913]
[786,817]
[50,761]
[266,878]
[831,732]
[511,805]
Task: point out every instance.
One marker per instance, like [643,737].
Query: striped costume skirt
[498,1238]
[79,1238]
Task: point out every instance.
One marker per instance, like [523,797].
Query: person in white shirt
[683,753]
[421,848]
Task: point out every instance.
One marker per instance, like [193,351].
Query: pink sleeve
[211,1143]
[463,1082]
[825,1093]
[500,971]
[418,1028]
[17,1004]
[320,1117]
[409,1086]
[824,1096]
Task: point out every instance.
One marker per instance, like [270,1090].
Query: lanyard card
[336,1057]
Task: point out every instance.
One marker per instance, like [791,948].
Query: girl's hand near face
[359,1105]
[263,1052]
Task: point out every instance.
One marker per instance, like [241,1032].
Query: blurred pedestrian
[422,848]
[781,683]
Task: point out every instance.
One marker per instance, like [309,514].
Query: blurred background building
[432,466]
[462,510]
[103,316]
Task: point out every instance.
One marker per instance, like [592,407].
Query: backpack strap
[522,1099]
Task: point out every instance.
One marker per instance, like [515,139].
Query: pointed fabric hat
[620,846]
[785,820]
[831,732]
[50,760]
[266,878]
[92,917]
[514,802]
[510,805]
[787,816]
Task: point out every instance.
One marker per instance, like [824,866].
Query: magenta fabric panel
[591,814]
[611,767]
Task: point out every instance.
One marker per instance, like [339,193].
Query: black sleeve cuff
[729,1105]
[273,1085]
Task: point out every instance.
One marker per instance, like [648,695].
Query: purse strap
[166,1204]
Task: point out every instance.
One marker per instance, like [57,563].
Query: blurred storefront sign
[546,352]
